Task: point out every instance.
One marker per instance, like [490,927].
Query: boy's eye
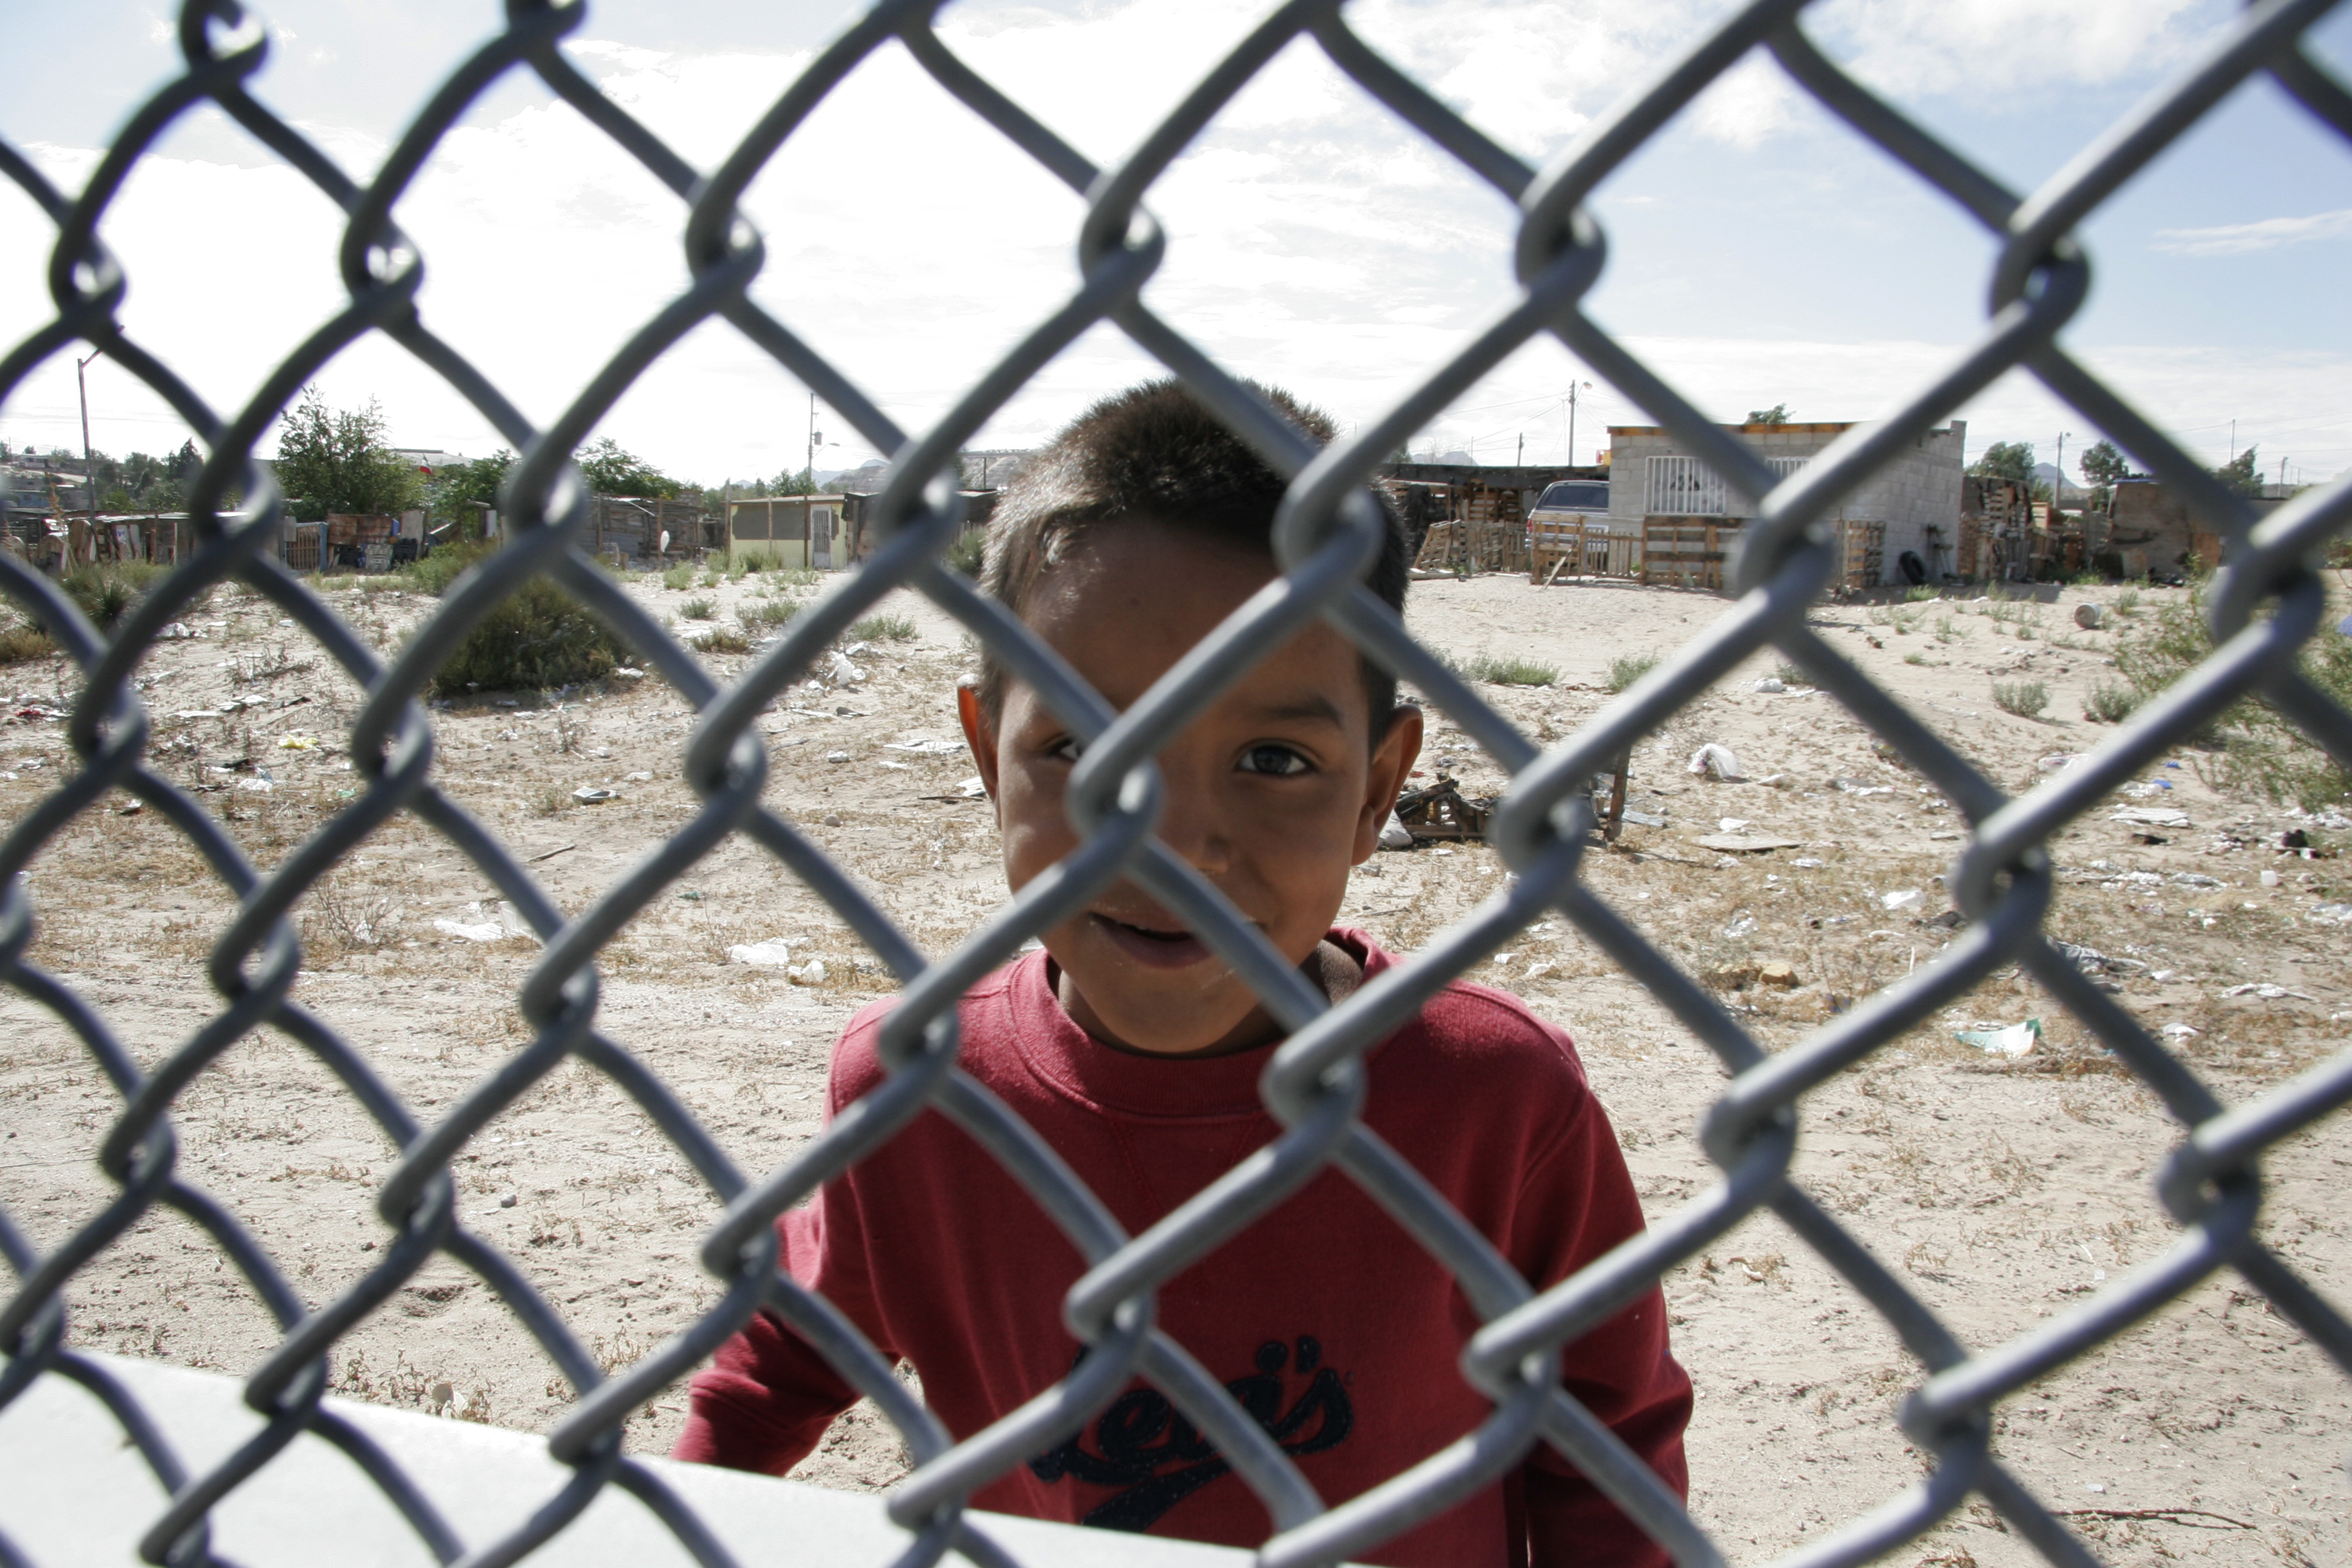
[1279,761]
[1069,749]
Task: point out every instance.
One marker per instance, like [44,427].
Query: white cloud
[1313,240]
[1985,49]
[2265,233]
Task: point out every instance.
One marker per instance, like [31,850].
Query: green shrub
[2258,750]
[2026,699]
[1629,667]
[964,555]
[1785,673]
[762,613]
[537,637]
[722,639]
[698,609]
[1920,593]
[1915,658]
[1509,671]
[2109,704]
[2127,602]
[883,628]
[106,592]
[678,578]
[19,644]
[435,572]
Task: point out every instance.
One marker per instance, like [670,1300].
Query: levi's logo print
[1143,1444]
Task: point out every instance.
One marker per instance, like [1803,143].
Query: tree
[336,459]
[2241,474]
[2010,461]
[2106,468]
[613,470]
[459,489]
[1776,415]
[792,482]
[2103,465]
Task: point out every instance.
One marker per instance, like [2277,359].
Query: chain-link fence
[2264,605]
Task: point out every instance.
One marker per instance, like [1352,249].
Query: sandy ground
[2003,1191]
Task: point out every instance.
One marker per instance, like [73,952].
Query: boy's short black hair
[1155,454]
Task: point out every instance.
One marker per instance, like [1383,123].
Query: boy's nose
[1191,824]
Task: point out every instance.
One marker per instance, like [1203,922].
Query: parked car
[1580,506]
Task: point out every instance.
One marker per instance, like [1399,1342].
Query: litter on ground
[486,930]
[766,954]
[2016,1040]
[2265,990]
[2151,816]
[1712,761]
[1900,900]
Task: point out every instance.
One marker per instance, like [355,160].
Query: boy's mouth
[1151,946]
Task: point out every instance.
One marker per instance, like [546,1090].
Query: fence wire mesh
[2265,605]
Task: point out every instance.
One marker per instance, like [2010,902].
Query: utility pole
[2058,481]
[88,468]
[1522,459]
[810,472]
[1572,419]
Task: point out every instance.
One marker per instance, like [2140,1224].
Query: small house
[791,531]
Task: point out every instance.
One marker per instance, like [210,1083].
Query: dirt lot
[2004,1190]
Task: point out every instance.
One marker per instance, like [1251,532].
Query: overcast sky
[1759,254]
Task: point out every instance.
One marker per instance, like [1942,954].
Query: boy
[1132,1048]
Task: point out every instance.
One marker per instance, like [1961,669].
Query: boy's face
[1273,793]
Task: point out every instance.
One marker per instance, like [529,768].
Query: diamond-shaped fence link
[2265,605]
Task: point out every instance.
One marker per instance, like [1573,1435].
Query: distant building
[1910,506]
[2150,531]
[427,459]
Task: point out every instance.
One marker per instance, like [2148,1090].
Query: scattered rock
[833,819]
[507,1200]
[837,756]
[1781,976]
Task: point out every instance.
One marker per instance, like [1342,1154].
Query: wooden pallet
[1689,551]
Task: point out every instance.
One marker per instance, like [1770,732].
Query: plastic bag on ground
[1396,835]
[769,954]
[2015,1041]
[1716,761]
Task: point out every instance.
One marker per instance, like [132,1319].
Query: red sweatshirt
[1328,1322]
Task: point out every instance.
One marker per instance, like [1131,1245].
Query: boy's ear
[1393,762]
[981,736]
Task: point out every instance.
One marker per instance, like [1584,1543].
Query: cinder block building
[1912,504]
